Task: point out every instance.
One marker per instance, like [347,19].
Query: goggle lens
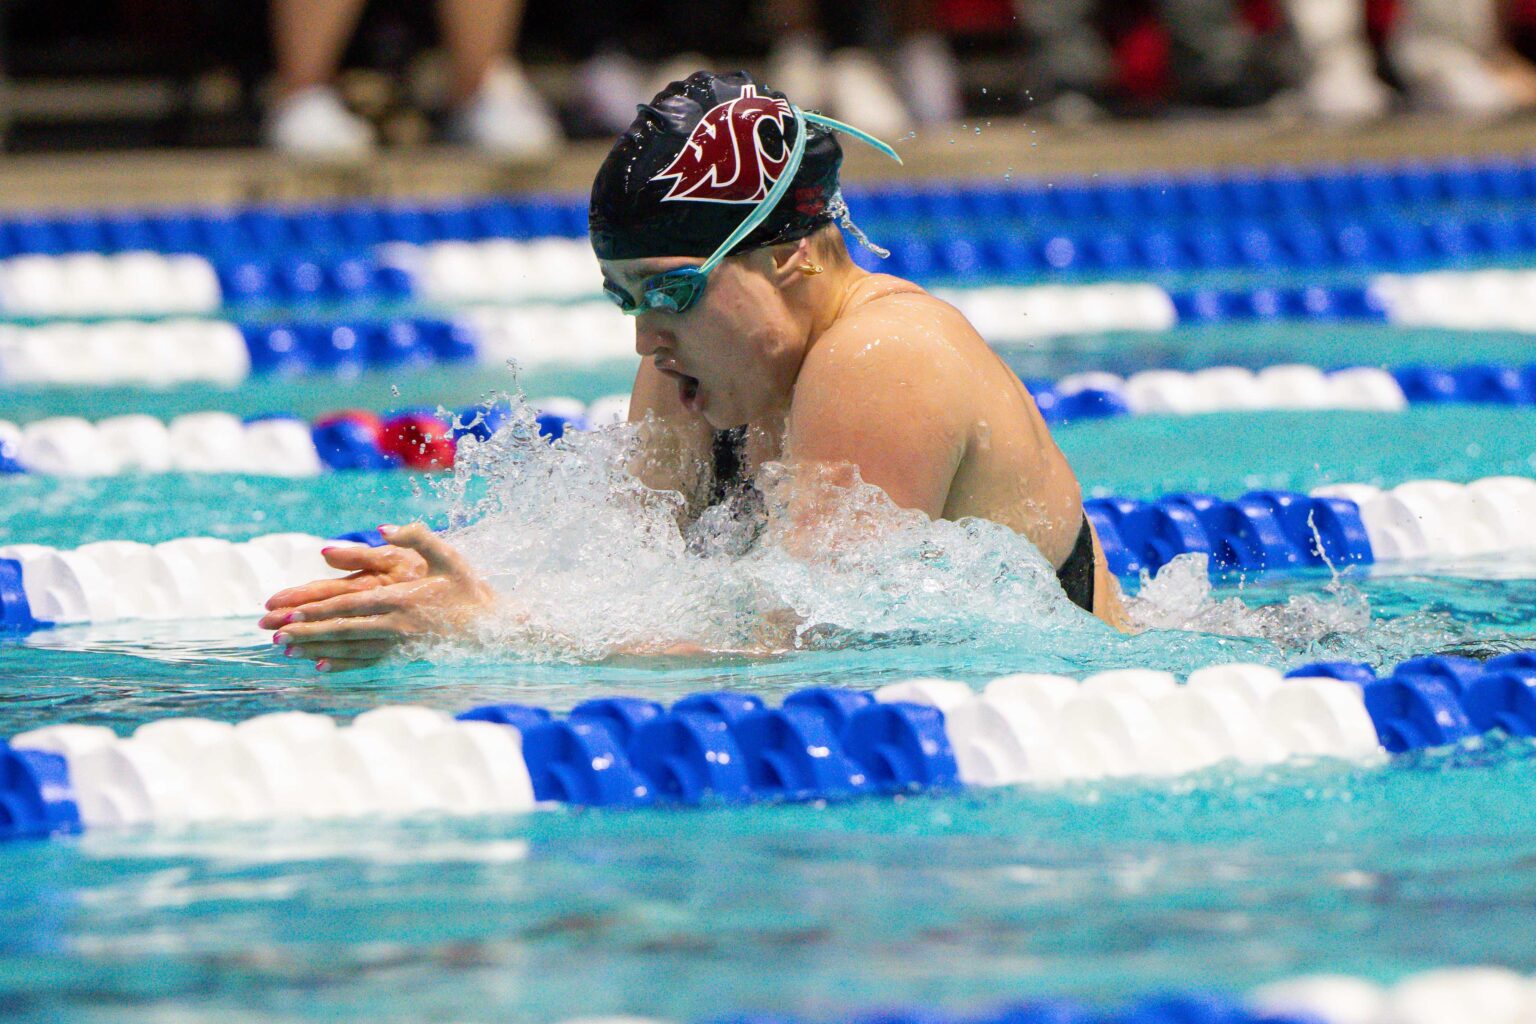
[620,298]
[674,291]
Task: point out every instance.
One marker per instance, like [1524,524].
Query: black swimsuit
[1076,573]
[729,451]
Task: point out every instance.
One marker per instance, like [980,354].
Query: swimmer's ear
[787,260]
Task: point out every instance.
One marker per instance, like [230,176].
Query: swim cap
[695,162]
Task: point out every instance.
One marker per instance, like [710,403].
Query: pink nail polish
[326,551]
[290,617]
[288,652]
[322,665]
[279,638]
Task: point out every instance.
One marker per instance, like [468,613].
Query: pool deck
[974,150]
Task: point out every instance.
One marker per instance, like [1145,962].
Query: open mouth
[687,387]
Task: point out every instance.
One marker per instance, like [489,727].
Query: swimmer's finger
[352,557]
[362,627]
[352,650]
[368,601]
[362,558]
[320,590]
[441,557]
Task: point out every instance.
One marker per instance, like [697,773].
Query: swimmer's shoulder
[891,347]
[887,322]
[880,299]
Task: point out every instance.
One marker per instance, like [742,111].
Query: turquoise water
[1228,878]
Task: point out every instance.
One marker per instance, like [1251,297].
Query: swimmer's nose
[649,340]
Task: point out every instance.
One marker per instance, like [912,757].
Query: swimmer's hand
[415,587]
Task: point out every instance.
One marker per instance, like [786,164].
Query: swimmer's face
[735,351]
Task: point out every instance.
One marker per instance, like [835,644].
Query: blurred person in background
[851,82]
[1215,59]
[628,50]
[494,107]
[1449,54]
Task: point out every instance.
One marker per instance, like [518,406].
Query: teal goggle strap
[787,177]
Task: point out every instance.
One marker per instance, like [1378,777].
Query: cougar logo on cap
[725,159]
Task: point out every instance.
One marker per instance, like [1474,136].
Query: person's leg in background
[1214,56]
[1067,62]
[1452,57]
[926,65]
[5,86]
[1340,83]
[307,118]
[496,109]
[608,80]
[850,82]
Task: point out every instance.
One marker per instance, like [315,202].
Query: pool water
[1227,878]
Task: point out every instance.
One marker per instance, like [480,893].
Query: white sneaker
[797,68]
[862,95]
[1343,88]
[608,88]
[313,124]
[676,69]
[931,79]
[1450,78]
[507,119]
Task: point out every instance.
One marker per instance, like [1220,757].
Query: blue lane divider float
[1262,530]
[501,271]
[421,438]
[823,743]
[302,346]
[1437,700]
[274,444]
[1016,251]
[1456,995]
[1329,218]
[165,352]
[1296,198]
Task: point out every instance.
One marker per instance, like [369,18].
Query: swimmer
[718,223]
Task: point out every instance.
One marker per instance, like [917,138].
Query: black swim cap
[696,161]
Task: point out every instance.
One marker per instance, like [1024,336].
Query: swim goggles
[677,290]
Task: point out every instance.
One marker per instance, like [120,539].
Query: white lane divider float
[121,352]
[1458,995]
[391,761]
[93,284]
[209,442]
[1046,728]
[1236,389]
[402,760]
[1441,519]
[1466,300]
[1008,315]
[188,578]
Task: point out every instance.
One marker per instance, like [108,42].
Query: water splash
[594,563]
